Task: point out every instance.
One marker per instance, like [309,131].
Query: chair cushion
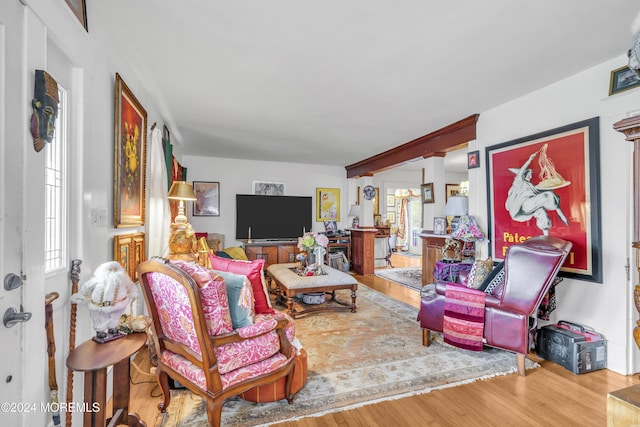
[195,375]
[247,352]
[213,292]
[254,271]
[479,271]
[240,296]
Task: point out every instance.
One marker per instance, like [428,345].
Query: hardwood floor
[547,396]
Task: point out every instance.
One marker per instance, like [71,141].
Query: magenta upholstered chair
[529,271]
[196,343]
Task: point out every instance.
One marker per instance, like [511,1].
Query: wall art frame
[269,188]
[327,204]
[427,193]
[622,79]
[129,250]
[451,190]
[130,148]
[564,201]
[79,9]
[473,159]
[207,201]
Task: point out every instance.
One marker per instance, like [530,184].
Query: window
[56,190]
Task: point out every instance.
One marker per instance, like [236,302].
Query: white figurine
[107,293]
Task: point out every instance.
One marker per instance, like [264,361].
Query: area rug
[410,277]
[409,254]
[355,359]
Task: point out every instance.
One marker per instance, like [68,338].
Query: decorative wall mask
[45,109]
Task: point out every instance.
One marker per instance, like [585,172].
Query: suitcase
[572,346]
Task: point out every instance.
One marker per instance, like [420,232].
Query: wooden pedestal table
[93,359]
[289,284]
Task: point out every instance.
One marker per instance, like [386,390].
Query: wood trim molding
[449,138]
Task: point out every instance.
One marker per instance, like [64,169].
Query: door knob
[12,317]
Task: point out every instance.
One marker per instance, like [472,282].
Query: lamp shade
[467,229]
[456,206]
[181,190]
[354,210]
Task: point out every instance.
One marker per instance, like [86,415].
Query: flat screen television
[272,217]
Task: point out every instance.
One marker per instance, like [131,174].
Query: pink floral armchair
[197,345]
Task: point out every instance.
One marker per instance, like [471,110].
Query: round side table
[93,359]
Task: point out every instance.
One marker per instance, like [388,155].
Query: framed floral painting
[130,146]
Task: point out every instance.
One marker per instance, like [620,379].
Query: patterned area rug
[356,359]
[410,277]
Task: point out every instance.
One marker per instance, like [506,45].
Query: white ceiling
[336,81]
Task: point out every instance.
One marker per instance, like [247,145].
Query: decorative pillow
[495,282]
[240,296]
[254,271]
[223,254]
[479,271]
[213,293]
[236,252]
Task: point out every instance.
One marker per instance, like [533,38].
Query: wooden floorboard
[548,396]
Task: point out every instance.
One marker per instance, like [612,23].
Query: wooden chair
[196,344]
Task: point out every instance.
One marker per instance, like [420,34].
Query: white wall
[236,177]
[605,307]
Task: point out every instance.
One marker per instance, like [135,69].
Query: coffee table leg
[353,301]
[290,306]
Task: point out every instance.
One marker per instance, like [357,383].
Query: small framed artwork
[473,159]
[207,201]
[623,79]
[327,204]
[439,225]
[79,8]
[391,217]
[269,188]
[391,200]
[377,220]
[129,251]
[330,226]
[130,144]
[427,193]
[451,190]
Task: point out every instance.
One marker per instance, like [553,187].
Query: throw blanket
[463,317]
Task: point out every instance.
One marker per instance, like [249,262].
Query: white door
[23,354]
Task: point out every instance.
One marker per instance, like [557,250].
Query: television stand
[273,251]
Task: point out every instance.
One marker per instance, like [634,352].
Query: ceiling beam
[449,138]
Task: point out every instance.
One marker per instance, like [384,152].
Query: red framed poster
[549,183]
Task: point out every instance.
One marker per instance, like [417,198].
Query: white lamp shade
[354,210]
[457,206]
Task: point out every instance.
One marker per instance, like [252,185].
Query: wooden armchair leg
[520,359]
[425,337]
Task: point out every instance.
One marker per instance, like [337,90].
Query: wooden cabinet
[273,252]
[362,249]
[340,243]
[431,253]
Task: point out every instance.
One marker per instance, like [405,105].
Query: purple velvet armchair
[530,268]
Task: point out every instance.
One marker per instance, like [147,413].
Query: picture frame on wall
[130,147]
[451,190]
[427,193]
[207,201]
[327,204]
[129,251]
[391,200]
[269,188]
[473,159]
[541,184]
[622,79]
[391,217]
[79,9]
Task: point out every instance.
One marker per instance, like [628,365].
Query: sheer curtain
[159,213]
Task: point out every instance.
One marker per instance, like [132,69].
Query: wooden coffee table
[288,284]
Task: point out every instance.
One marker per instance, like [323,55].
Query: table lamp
[456,207]
[353,211]
[182,240]
[469,232]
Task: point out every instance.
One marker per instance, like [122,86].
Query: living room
[41,34]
